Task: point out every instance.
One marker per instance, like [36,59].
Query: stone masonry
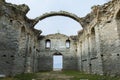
[99,42]
[57,47]
[19,43]
[95,50]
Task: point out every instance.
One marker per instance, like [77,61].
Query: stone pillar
[81,66]
[89,59]
[79,55]
[98,48]
[34,59]
[28,58]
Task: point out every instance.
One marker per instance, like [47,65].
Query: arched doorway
[57,62]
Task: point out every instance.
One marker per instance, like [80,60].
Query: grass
[27,76]
[81,76]
[77,76]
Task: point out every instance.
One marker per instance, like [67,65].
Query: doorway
[57,62]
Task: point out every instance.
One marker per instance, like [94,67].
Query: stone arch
[60,13]
[57,53]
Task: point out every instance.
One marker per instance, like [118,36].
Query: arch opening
[48,20]
[59,24]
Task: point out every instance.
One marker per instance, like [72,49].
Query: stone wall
[18,39]
[94,50]
[58,45]
[99,40]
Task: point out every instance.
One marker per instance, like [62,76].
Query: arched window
[47,43]
[93,31]
[118,22]
[93,43]
[68,43]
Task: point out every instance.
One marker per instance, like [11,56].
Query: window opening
[67,43]
[48,43]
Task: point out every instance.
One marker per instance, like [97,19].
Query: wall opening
[57,24]
[22,40]
[118,22]
[68,43]
[57,62]
[47,44]
[118,15]
[93,43]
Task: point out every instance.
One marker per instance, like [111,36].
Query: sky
[61,24]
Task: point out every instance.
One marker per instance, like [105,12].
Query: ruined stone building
[95,50]
[58,47]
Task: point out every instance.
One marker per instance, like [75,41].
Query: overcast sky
[60,24]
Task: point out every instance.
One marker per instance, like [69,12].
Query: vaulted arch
[60,13]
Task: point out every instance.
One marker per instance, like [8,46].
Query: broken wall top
[18,13]
[101,13]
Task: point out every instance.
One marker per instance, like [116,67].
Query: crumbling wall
[95,50]
[16,32]
[58,42]
[103,46]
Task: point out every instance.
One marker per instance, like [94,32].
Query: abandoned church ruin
[95,50]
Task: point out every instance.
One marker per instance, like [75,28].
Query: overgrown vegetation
[76,76]
[27,76]
[81,76]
